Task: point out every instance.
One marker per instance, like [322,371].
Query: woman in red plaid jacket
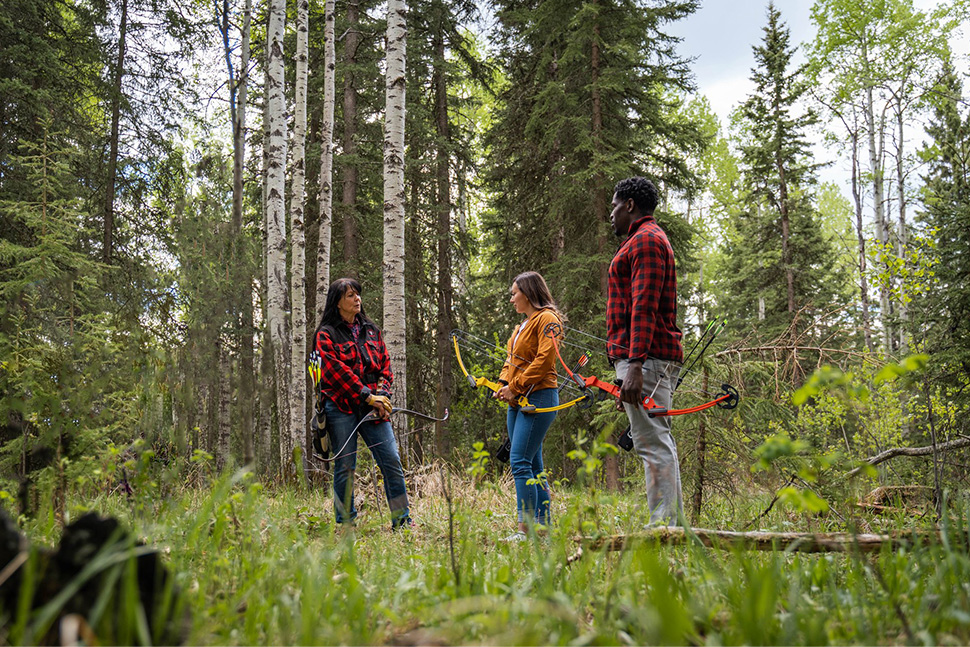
[355,379]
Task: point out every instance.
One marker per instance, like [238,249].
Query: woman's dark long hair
[534,287]
[331,313]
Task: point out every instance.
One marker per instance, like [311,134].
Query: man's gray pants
[653,441]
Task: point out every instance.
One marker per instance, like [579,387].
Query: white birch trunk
[267,457]
[326,160]
[394,303]
[298,374]
[901,235]
[276,224]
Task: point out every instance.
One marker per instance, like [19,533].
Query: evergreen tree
[442,55]
[591,86]
[66,375]
[945,326]
[777,260]
[49,65]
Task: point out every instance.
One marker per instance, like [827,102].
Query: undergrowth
[265,565]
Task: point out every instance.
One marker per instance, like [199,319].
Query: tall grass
[266,566]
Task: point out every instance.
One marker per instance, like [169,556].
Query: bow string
[727,398]
[493,350]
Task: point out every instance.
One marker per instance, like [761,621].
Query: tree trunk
[611,464]
[224,422]
[326,161]
[276,226]
[111,179]
[783,208]
[901,236]
[394,299]
[297,426]
[878,197]
[242,284]
[266,386]
[445,292]
[351,172]
[861,237]
[701,450]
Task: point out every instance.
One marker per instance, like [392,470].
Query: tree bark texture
[276,225]
[861,238]
[445,293]
[697,500]
[224,423]
[112,172]
[901,237]
[350,170]
[247,381]
[799,542]
[326,161]
[928,450]
[876,156]
[394,299]
[611,464]
[297,425]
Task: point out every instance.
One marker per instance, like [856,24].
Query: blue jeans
[379,438]
[527,431]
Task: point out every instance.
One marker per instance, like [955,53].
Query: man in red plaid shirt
[643,340]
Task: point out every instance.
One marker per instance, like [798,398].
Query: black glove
[504,451]
[626,440]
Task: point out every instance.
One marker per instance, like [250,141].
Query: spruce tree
[943,328]
[778,261]
[591,86]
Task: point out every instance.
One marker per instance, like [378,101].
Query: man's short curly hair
[643,192]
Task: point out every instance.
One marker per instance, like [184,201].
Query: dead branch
[834,542]
[882,457]
[790,348]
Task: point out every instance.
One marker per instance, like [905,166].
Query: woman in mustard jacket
[530,370]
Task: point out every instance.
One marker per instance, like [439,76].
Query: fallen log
[802,542]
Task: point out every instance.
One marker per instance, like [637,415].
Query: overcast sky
[720,35]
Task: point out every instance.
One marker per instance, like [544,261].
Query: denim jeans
[527,431]
[379,438]
[654,443]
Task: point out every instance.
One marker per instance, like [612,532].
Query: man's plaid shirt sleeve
[648,267]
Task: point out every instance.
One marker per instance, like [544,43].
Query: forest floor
[257,565]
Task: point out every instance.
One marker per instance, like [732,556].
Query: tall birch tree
[326,160]
[276,223]
[871,62]
[394,301]
[298,374]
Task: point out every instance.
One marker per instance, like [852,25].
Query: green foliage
[832,379]
[592,460]
[552,164]
[776,262]
[942,323]
[479,461]
[264,566]
[70,372]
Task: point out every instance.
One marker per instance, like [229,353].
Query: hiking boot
[515,537]
[407,523]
